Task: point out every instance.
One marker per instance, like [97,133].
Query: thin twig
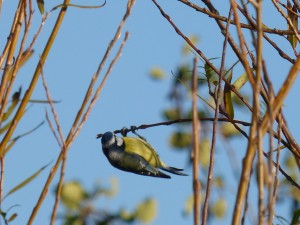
[273,44]
[291,143]
[278,101]
[99,89]
[61,142]
[196,134]
[233,22]
[52,129]
[242,52]
[2,160]
[257,90]
[200,53]
[212,151]
[33,83]
[18,61]
[9,60]
[247,165]
[71,136]
[288,20]
[296,2]
[276,180]
[271,179]
[167,123]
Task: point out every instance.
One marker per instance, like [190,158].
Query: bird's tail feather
[173,170]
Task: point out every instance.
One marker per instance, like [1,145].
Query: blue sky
[130,97]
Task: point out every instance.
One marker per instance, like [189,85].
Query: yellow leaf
[157,73]
[25,182]
[227,98]
[146,211]
[204,155]
[240,81]
[228,130]
[188,205]
[40,4]
[292,15]
[187,48]
[172,114]
[180,140]
[265,173]
[219,208]
[72,194]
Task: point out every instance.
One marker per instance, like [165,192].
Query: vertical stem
[15,32]
[259,49]
[212,151]
[34,80]
[276,180]
[196,128]
[1,179]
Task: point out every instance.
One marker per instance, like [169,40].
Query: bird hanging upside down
[135,155]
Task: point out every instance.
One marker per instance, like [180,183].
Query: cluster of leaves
[80,208]
[181,138]
[5,214]
[7,119]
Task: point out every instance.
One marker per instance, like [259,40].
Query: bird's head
[109,139]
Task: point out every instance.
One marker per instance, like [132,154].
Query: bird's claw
[133,129]
[124,131]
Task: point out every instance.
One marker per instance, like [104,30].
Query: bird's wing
[143,149]
[134,163]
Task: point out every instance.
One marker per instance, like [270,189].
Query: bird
[135,155]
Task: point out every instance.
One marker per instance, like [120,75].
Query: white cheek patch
[119,141]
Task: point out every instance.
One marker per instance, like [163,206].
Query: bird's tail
[173,170]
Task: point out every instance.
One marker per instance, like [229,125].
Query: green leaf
[209,72]
[78,6]
[9,146]
[296,217]
[227,98]
[72,194]
[26,55]
[265,173]
[292,15]
[180,140]
[219,182]
[295,193]
[201,114]
[40,4]
[146,211]
[12,142]
[183,74]
[12,217]
[43,101]
[172,114]
[5,127]
[211,75]
[204,154]
[228,130]
[290,162]
[25,182]
[187,48]
[126,216]
[112,191]
[188,205]
[240,82]
[14,102]
[157,73]
[219,208]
